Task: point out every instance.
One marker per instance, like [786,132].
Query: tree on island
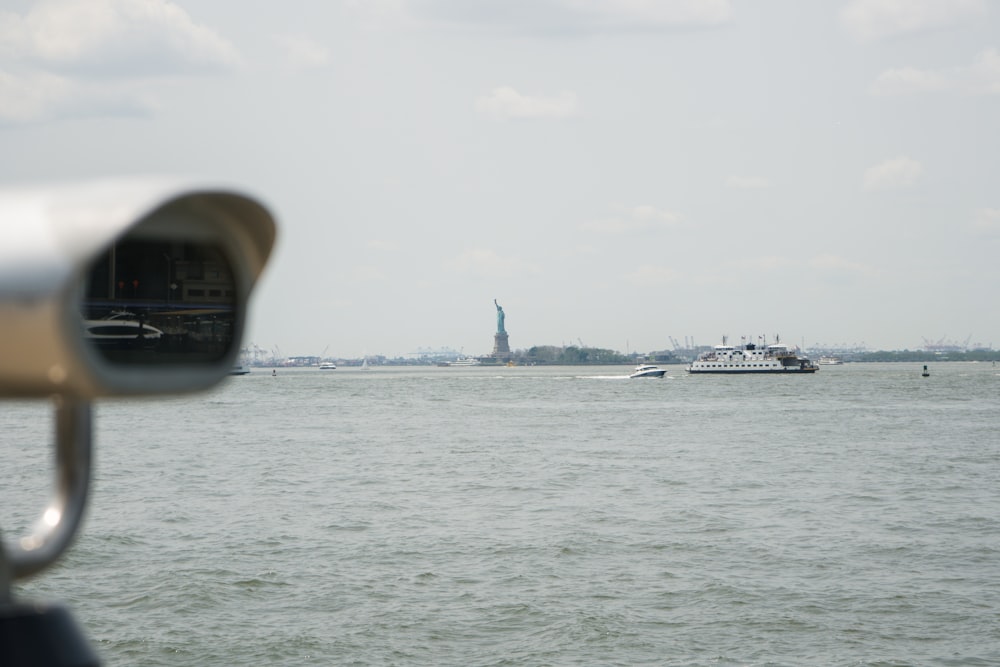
[568,356]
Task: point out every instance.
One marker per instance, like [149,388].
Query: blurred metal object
[113,288]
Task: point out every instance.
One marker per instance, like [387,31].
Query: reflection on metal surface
[156,302]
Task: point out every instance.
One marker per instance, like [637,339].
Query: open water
[535,516]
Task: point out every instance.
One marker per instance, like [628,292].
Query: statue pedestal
[501,348]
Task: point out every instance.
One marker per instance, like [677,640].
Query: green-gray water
[536,516]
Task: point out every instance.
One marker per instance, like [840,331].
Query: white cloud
[26,98]
[587,16]
[897,173]
[878,19]
[637,219]
[485,262]
[651,13]
[980,78]
[302,52]
[655,216]
[747,183]
[765,263]
[385,8]
[39,96]
[904,80]
[505,102]
[79,58]
[112,38]
[829,264]
[984,75]
[987,222]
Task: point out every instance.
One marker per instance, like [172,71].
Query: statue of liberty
[500,318]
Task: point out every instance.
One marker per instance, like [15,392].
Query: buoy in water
[926,373]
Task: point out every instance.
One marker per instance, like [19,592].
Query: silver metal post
[57,527]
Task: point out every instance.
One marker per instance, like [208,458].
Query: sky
[616,173]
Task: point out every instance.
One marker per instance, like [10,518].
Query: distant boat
[462,361]
[239,369]
[829,360]
[648,371]
[364,364]
[328,366]
[750,358]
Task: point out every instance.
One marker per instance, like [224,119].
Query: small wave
[348,528]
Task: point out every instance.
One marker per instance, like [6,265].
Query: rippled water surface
[536,516]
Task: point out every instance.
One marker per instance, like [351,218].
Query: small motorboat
[328,366]
[648,371]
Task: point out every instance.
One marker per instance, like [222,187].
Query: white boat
[648,371]
[121,330]
[463,361]
[328,366]
[829,360]
[751,358]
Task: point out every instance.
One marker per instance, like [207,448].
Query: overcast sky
[613,172]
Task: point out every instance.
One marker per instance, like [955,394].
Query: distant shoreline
[874,357]
[576,356]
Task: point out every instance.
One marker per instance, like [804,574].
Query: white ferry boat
[830,360]
[462,361]
[750,358]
